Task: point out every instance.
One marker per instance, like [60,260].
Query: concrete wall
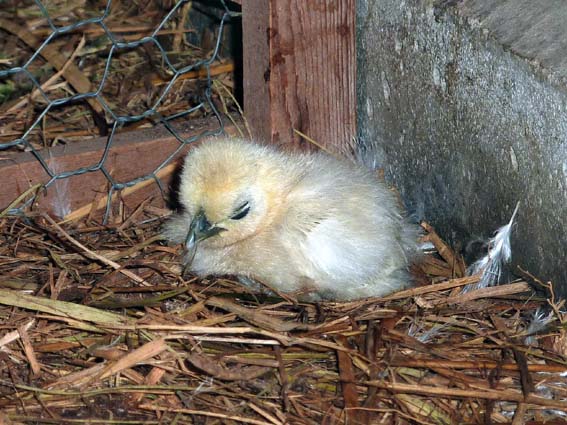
[465,106]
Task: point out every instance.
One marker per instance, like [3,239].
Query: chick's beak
[199,230]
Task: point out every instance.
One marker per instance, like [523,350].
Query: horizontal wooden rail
[133,154]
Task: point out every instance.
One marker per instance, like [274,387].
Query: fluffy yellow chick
[299,222]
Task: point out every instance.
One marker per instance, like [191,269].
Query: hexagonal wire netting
[116,121]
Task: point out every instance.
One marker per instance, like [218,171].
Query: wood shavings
[210,349]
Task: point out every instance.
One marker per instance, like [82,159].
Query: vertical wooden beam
[256,67]
[299,70]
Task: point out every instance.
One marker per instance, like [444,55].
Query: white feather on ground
[499,254]
[538,323]
[61,200]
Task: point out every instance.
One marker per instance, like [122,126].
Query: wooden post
[299,71]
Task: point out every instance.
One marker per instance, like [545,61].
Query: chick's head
[227,186]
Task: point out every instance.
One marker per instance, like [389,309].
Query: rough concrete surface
[464,104]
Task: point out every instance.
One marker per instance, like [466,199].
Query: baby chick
[298,222]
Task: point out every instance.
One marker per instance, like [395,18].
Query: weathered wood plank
[299,70]
[133,154]
[256,68]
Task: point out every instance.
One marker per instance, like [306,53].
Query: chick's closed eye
[241,212]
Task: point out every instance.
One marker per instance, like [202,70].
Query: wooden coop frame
[299,67]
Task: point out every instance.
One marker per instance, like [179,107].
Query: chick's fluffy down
[315,224]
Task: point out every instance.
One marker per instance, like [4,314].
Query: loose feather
[499,254]
[61,201]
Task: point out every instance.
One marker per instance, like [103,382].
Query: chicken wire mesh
[106,116]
